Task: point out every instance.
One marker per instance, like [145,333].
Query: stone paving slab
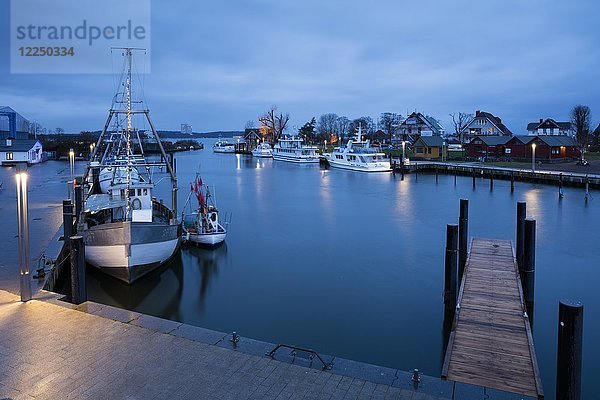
[55,350]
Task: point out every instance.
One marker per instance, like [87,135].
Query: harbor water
[352,264]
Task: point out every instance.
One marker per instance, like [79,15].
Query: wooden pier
[491,343]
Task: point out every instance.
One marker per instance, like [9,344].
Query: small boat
[223,146]
[358,155]
[263,150]
[292,150]
[202,227]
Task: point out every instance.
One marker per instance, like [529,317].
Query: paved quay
[54,350]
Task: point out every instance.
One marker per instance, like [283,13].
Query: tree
[580,118]
[342,127]
[326,126]
[366,123]
[459,122]
[250,124]
[390,123]
[307,131]
[596,134]
[273,124]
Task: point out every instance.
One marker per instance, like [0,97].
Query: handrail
[326,366]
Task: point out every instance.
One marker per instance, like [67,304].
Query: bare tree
[366,123]
[580,118]
[327,125]
[273,124]
[460,121]
[342,126]
[390,123]
[60,131]
[250,124]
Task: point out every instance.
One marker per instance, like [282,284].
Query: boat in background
[223,146]
[292,150]
[263,150]
[202,227]
[358,155]
[127,232]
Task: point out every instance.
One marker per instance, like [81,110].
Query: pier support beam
[450,272]
[78,289]
[570,341]
[520,239]
[463,234]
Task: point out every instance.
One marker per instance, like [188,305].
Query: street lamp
[533,157]
[23,232]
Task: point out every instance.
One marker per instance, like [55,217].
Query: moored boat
[223,146]
[263,150]
[358,155]
[202,226]
[292,150]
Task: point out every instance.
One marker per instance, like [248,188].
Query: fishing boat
[127,232]
[202,227]
[291,149]
[223,146]
[358,155]
[263,150]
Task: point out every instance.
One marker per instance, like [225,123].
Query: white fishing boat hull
[207,239]
[224,149]
[368,167]
[128,250]
[262,154]
[296,159]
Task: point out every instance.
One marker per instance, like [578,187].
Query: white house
[14,151]
[484,123]
[549,127]
[417,125]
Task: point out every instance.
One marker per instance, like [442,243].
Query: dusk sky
[219,64]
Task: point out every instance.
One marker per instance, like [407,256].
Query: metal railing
[326,366]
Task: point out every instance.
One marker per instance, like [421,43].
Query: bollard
[67,220]
[512,182]
[527,268]
[451,262]
[234,338]
[78,289]
[520,240]
[415,377]
[463,234]
[23,233]
[570,341]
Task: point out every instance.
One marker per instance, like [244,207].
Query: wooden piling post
[570,340]
[512,181]
[473,178]
[436,174]
[463,234]
[78,289]
[560,186]
[587,188]
[67,220]
[492,180]
[455,172]
[527,268]
[451,261]
[78,200]
[520,239]
[402,171]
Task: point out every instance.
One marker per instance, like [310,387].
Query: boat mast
[128,132]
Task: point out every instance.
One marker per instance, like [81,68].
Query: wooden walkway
[491,343]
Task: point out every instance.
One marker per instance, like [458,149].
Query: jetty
[491,343]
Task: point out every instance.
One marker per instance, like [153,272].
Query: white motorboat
[202,227]
[358,155]
[126,231]
[292,150]
[263,150]
[223,146]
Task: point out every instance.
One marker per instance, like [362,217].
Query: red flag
[191,187]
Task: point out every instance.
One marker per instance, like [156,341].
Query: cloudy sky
[218,64]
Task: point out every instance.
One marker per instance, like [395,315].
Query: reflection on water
[351,264]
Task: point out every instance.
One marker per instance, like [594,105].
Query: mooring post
[587,188]
[67,220]
[527,269]
[521,214]
[473,178]
[492,180]
[450,272]
[512,181]
[455,172]
[463,233]
[436,174]
[78,289]
[416,172]
[78,200]
[570,344]
[560,186]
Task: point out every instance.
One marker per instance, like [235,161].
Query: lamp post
[23,232]
[533,157]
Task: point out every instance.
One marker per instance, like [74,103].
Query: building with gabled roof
[428,147]
[13,151]
[12,124]
[417,125]
[549,126]
[484,124]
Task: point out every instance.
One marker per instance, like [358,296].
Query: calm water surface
[351,264]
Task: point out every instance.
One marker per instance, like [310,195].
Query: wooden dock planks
[491,343]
